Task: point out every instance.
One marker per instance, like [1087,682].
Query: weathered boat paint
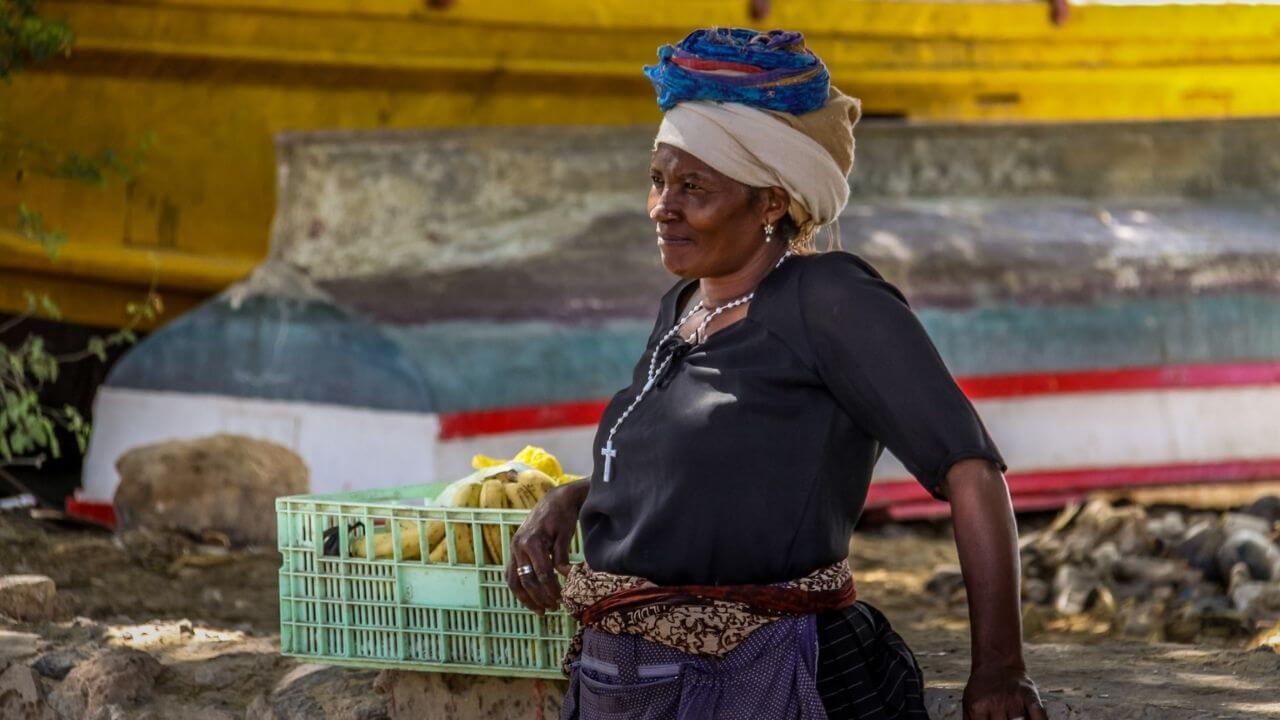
[1110,338]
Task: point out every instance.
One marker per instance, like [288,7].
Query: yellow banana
[461,539]
[466,496]
[538,482]
[409,549]
[520,496]
[466,548]
[492,496]
[435,533]
[440,552]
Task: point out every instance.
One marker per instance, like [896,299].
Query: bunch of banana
[519,490]
[409,549]
[514,489]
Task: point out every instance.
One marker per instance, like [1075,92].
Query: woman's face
[708,224]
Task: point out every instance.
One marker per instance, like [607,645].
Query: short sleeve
[874,356]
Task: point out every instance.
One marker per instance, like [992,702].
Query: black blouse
[749,461]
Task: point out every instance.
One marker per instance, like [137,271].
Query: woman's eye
[655,179]
[691,186]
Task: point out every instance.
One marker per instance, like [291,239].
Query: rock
[1132,538]
[1143,620]
[1256,601]
[310,692]
[1266,507]
[1036,591]
[186,712]
[1168,530]
[27,597]
[116,678]
[154,549]
[946,582]
[17,645]
[1268,639]
[1154,571]
[1254,549]
[1199,547]
[1183,626]
[21,697]
[55,665]
[233,669]
[1074,589]
[1035,619]
[1105,557]
[223,483]
[469,697]
[1235,522]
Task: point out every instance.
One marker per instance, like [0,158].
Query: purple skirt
[771,674]
[864,671]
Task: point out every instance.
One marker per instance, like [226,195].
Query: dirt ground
[209,618]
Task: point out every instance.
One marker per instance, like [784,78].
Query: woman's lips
[673,240]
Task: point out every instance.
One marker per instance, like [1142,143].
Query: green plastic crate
[410,614]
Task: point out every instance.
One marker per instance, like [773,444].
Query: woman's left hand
[1002,693]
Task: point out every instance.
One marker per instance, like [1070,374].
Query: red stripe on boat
[704,65]
[504,420]
[542,417]
[1047,489]
[1142,378]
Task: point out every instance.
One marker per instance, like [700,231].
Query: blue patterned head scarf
[771,71]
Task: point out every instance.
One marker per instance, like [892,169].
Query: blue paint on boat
[316,352]
[276,349]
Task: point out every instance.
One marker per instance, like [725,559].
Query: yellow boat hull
[215,82]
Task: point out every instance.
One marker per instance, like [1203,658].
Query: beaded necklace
[656,370]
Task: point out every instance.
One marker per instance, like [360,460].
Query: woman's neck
[716,291]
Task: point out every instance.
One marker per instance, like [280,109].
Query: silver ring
[524,570]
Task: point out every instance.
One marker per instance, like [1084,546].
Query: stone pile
[1166,575]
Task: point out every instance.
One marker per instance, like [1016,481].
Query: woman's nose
[662,210]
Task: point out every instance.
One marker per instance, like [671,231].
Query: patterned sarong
[705,620]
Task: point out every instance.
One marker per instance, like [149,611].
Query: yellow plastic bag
[533,456]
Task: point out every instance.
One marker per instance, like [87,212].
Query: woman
[732,470]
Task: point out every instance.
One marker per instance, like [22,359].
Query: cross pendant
[609,454]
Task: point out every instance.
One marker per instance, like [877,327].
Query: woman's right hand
[542,541]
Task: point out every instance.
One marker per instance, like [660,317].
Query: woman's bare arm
[987,540]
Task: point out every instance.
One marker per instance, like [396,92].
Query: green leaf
[75,166]
[50,307]
[39,371]
[19,441]
[31,226]
[98,348]
[50,436]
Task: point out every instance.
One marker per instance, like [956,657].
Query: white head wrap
[757,149]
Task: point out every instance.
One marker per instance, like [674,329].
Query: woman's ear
[776,202]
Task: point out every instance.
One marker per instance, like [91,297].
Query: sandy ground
[1081,669]
[211,622]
